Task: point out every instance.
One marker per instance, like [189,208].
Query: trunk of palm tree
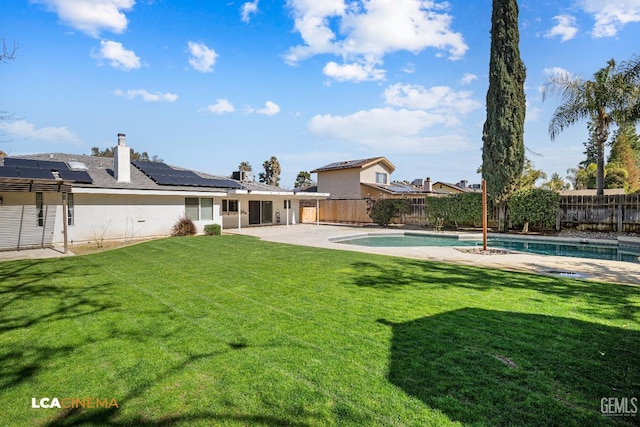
[601,137]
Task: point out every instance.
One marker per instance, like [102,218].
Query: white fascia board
[86,190]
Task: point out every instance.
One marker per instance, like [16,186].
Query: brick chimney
[122,160]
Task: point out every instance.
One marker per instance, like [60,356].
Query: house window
[192,208]
[39,210]
[206,209]
[229,206]
[198,209]
[70,209]
[287,204]
[381,178]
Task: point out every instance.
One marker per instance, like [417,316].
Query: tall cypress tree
[502,136]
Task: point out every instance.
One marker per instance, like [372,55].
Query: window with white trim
[39,209]
[381,178]
[70,209]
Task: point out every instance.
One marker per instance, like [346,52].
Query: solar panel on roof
[35,173]
[8,172]
[77,176]
[51,165]
[20,163]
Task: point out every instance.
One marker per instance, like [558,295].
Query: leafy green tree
[271,174]
[245,166]
[624,156]
[590,147]
[502,135]
[535,206]
[556,183]
[530,175]
[605,100]
[303,180]
[108,152]
[382,211]
[615,177]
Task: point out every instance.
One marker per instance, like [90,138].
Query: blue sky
[209,84]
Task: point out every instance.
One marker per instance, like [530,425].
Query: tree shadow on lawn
[505,368]
[29,300]
[616,300]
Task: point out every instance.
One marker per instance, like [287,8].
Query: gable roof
[361,164]
[101,173]
[454,187]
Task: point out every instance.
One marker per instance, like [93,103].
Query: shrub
[535,206]
[381,211]
[184,227]
[212,230]
[456,209]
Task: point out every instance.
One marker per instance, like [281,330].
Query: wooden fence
[604,213]
[601,213]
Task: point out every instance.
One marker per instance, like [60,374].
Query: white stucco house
[64,199]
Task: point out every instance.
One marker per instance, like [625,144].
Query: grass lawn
[230,330]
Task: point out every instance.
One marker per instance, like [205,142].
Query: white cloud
[354,72]
[468,78]
[25,130]
[221,106]
[612,15]
[439,99]
[565,28]
[117,55]
[248,9]
[363,32]
[555,70]
[270,109]
[202,57]
[388,130]
[147,96]
[92,16]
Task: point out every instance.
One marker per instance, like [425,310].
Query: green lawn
[230,330]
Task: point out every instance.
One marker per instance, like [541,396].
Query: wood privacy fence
[602,213]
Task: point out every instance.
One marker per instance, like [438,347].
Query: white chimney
[427,185]
[122,160]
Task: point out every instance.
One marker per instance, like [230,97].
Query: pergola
[28,185]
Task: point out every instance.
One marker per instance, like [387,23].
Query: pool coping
[323,236]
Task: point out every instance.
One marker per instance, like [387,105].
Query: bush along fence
[535,209]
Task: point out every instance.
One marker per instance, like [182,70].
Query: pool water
[537,247]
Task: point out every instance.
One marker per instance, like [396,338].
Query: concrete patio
[319,235]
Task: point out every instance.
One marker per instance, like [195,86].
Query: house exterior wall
[341,183]
[445,188]
[129,216]
[369,174]
[345,183]
[230,219]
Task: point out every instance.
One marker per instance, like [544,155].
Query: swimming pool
[541,247]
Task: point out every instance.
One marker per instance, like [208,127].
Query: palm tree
[605,100]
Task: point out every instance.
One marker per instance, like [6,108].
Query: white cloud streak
[117,55]
[248,9]
[270,109]
[25,130]
[565,28]
[363,33]
[221,106]
[612,15]
[202,57]
[147,96]
[92,16]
